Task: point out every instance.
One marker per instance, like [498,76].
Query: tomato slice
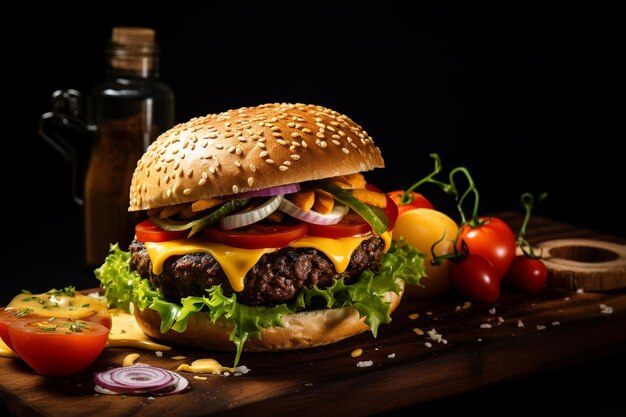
[146,231]
[351,225]
[57,346]
[391,209]
[258,235]
[7,317]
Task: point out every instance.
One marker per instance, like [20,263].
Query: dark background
[523,95]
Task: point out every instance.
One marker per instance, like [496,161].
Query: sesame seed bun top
[249,149]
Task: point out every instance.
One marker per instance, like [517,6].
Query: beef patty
[276,278]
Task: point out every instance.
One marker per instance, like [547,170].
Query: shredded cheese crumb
[356,353]
[436,337]
[485,326]
[364,364]
[130,359]
[179,357]
[202,378]
[159,354]
[604,309]
[492,311]
[418,331]
[466,305]
[391,355]
[413,316]
[540,327]
[520,323]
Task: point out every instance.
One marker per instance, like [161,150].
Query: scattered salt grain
[580,291]
[480,339]
[500,320]
[457,308]
[151,398]
[436,337]
[540,327]
[418,331]
[428,344]
[520,323]
[159,354]
[241,370]
[566,299]
[556,323]
[364,364]
[604,309]
[391,355]
[492,311]
[485,326]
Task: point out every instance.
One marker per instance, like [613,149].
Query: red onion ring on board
[139,379]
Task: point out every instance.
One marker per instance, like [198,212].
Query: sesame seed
[295,134]
[204,175]
[263,154]
[235,189]
[288,163]
[260,145]
[281,142]
[219,146]
[169,193]
[252,167]
[320,125]
[227,124]
[202,181]
[269,161]
[294,143]
[320,135]
[275,128]
[323,144]
[283,168]
[295,157]
[354,145]
[238,151]
[229,135]
[212,135]
[332,129]
[187,191]
[336,137]
[336,142]
[231,149]
[303,144]
[291,124]
[212,169]
[237,164]
[306,130]
[250,181]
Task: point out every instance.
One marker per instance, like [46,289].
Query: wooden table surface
[559,329]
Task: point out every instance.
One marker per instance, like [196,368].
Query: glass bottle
[129,109]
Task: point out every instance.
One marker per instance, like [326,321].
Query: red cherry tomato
[57,346]
[258,235]
[494,240]
[527,274]
[146,231]
[476,278]
[417,200]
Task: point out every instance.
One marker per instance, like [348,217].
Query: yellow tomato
[421,228]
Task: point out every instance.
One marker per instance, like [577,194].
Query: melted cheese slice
[236,262]
[125,332]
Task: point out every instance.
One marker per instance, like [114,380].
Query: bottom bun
[300,330]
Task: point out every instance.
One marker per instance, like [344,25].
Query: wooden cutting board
[483,347]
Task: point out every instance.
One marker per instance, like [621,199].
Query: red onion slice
[139,379]
[268,192]
[311,216]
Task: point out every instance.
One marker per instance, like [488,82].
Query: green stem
[406,197]
[528,201]
[471,189]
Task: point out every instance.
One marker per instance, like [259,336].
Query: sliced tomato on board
[56,346]
[258,235]
[146,231]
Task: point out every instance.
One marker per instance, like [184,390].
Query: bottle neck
[133,60]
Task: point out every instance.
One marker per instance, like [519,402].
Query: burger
[261,234]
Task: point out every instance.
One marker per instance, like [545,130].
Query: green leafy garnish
[123,287]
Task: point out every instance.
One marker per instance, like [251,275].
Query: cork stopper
[133,49]
[132,36]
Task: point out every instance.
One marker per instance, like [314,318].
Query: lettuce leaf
[123,287]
